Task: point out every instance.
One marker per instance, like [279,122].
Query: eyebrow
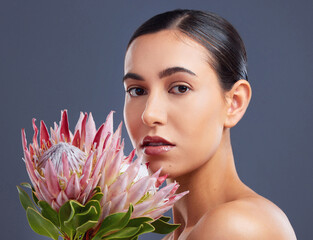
[165,73]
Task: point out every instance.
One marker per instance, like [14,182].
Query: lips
[155,141]
[156,145]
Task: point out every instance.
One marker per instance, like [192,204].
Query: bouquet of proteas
[83,187]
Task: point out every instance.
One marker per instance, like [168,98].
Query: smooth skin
[173,92]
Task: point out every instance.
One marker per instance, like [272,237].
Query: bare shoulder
[246,218]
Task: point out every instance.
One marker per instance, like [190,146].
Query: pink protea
[65,166]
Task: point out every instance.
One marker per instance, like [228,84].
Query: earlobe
[238,99]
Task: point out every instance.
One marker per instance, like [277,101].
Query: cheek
[132,117]
[200,128]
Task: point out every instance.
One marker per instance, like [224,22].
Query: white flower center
[75,157]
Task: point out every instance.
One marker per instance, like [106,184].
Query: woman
[186,86]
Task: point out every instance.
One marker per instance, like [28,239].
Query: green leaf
[164,218]
[65,212]
[48,212]
[126,232]
[97,196]
[163,227]
[27,185]
[114,222]
[41,225]
[82,218]
[97,190]
[85,227]
[35,197]
[95,204]
[82,214]
[76,218]
[25,199]
[146,228]
[136,222]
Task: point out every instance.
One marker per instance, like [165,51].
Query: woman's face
[173,93]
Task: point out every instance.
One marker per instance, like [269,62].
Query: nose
[154,113]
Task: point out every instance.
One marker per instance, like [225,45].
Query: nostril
[153,118]
[154,112]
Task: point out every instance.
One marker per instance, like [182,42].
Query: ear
[238,99]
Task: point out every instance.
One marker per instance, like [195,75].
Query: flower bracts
[85,188]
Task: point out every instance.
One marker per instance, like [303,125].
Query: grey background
[58,55]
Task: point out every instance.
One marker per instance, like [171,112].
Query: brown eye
[136,91]
[180,89]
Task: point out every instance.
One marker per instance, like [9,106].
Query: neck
[214,183]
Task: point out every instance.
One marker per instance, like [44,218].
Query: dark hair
[217,35]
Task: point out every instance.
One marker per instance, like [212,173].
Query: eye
[136,91]
[180,89]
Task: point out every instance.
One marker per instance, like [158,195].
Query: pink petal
[78,126]
[107,130]
[35,143]
[140,188]
[86,170]
[133,170]
[105,192]
[95,181]
[52,179]
[115,165]
[30,168]
[174,188]
[62,198]
[118,203]
[162,193]
[106,141]
[73,187]
[45,192]
[64,130]
[44,135]
[158,212]
[157,173]
[55,206]
[102,180]
[109,157]
[175,198]
[83,132]
[141,208]
[76,139]
[24,141]
[66,169]
[118,186]
[105,211]
[54,136]
[108,125]
[160,180]
[31,151]
[98,138]
[130,157]
[117,137]
[99,165]
[90,132]
[86,193]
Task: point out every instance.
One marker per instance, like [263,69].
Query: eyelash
[132,88]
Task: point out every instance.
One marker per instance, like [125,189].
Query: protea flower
[67,167]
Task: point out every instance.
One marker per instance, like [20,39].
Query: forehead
[165,49]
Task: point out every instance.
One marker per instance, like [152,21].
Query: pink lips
[156,145]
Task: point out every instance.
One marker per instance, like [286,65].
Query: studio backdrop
[57,55]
